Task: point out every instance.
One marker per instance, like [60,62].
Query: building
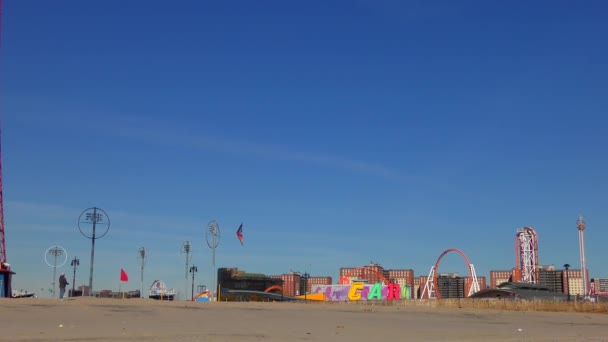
[403,277]
[372,273]
[551,278]
[574,281]
[232,278]
[84,290]
[421,284]
[450,285]
[525,291]
[480,280]
[499,277]
[416,288]
[312,281]
[296,284]
[601,284]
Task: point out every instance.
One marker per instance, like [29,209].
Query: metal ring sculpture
[466,260]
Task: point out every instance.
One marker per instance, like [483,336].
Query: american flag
[239,234]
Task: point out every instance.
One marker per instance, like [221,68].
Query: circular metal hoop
[97,216]
[61,251]
[212,234]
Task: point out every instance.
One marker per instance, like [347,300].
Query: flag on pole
[239,234]
[123,275]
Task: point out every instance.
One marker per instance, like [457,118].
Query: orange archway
[359,271]
[466,260]
[274,287]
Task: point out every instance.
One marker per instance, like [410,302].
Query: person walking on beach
[62,284]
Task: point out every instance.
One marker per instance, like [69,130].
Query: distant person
[62,283]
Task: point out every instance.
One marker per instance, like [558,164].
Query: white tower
[580,224]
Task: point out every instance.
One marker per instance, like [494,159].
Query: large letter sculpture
[353,294]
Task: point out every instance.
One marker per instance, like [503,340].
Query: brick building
[402,277]
[551,278]
[575,282]
[499,277]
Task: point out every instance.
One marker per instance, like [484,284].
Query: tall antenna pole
[141,254]
[94,217]
[186,248]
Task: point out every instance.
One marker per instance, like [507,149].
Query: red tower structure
[5,272]
[526,256]
[2,243]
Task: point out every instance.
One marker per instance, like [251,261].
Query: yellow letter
[352,293]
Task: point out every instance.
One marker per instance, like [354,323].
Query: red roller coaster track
[466,260]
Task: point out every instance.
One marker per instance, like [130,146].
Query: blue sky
[338,132]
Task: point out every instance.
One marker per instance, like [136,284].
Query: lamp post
[306,276]
[193,270]
[566,267]
[75,263]
[141,255]
[186,249]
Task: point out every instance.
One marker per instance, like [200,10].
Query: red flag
[239,234]
[123,275]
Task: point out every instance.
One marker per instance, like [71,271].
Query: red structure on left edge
[5,272]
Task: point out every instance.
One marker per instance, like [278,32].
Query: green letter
[375,292]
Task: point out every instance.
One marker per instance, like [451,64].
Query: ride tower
[526,256]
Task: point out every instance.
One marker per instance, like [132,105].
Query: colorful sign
[362,291]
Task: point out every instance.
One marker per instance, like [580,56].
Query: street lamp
[306,276]
[566,267]
[75,263]
[186,249]
[193,270]
[141,254]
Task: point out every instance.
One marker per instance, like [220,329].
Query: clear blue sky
[338,132]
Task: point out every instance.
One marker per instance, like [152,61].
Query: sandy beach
[92,319]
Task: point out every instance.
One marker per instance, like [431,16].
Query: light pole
[94,217]
[212,235]
[306,276]
[566,267]
[75,263]
[186,248]
[141,254]
[55,252]
[193,270]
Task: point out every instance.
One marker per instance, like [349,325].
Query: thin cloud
[156,132]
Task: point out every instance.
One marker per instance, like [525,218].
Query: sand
[93,319]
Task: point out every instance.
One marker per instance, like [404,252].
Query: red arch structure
[466,260]
[274,287]
[358,270]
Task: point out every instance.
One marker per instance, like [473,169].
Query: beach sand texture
[94,319]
